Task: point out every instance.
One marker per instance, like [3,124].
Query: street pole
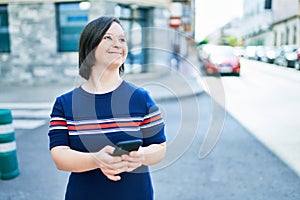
[175,22]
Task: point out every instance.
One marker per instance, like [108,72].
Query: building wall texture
[276,26]
[34,54]
[283,9]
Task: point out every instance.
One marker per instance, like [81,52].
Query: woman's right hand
[110,165]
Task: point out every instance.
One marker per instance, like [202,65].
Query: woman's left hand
[135,159]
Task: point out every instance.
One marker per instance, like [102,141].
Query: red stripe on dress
[102,126]
[58,123]
[151,119]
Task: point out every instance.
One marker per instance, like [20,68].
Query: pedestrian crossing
[29,115]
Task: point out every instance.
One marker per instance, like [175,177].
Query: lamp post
[175,22]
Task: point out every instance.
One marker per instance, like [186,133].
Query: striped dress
[87,122]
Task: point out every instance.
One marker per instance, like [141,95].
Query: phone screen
[124,147]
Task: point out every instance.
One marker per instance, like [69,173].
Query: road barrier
[8,151]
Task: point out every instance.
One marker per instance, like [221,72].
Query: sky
[212,14]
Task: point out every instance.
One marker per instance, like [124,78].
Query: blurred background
[40,38]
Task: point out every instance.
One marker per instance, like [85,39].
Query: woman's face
[112,50]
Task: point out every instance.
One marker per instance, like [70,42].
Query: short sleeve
[152,126]
[58,129]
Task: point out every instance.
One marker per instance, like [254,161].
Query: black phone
[124,147]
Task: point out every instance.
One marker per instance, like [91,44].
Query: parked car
[239,51]
[260,52]
[203,53]
[297,63]
[270,54]
[250,52]
[287,56]
[222,60]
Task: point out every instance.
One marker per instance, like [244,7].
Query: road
[265,99]
[238,167]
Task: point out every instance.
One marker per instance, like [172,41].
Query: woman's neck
[100,83]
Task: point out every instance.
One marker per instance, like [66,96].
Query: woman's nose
[116,43]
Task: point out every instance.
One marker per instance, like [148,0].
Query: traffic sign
[175,22]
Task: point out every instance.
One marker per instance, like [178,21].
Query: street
[239,166]
[265,99]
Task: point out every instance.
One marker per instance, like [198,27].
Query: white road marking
[28,124]
[28,115]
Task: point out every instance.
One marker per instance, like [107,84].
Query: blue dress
[88,122]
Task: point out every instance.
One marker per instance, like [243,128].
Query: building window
[275,38]
[282,38]
[4,34]
[71,19]
[133,21]
[287,36]
[268,4]
[295,35]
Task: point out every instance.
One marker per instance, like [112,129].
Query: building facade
[39,39]
[271,22]
[266,22]
[286,26]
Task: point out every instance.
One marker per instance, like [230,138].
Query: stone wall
[33,40]
[34,56]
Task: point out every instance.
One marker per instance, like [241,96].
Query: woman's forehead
[115,29]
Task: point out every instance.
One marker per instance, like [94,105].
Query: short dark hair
[90,37]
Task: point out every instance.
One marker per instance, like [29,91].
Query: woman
[88,121]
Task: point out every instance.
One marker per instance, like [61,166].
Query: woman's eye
[122,39]
[107,37]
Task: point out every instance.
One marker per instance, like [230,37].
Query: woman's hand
[110,165]
[134,159]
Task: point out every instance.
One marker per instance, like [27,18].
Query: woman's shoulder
[139,94]
[135,89]
[67,94]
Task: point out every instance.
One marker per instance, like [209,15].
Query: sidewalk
[164,86]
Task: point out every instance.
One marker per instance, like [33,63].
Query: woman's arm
[74,161]
[154,153]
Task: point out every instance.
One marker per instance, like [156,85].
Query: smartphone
[124,147]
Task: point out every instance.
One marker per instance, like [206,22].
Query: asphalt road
[265,99]
[238,167]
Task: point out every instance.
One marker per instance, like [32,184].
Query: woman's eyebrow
[121,35]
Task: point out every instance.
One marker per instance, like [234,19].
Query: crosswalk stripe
[33,114]
[28,115]
[26,105]
[28,124]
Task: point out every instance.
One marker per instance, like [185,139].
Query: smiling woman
[108,55]
[112,50]
[90,43]
[87,123]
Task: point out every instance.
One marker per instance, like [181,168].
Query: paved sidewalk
[163,82]
[169,85]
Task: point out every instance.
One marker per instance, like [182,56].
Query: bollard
[8,151]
